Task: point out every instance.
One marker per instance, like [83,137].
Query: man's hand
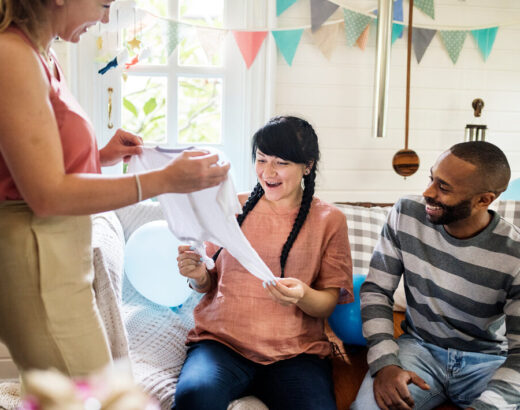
[391,388]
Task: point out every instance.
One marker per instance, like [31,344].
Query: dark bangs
[280,137]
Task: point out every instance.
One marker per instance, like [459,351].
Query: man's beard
[451,213]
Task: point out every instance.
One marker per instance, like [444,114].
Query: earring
[306,172]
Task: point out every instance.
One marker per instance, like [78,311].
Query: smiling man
[460,263]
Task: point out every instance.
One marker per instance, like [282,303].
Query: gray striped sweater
[461,294]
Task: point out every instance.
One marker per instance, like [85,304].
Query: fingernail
[273,282]
[263,284]
[192,248]
[201,259]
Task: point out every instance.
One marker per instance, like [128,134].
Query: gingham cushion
[364,228]
[510,210]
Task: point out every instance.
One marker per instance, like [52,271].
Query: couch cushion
[133,216]
[510,210]
[108,250]
[364,227]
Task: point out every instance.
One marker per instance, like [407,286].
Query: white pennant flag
[210,40]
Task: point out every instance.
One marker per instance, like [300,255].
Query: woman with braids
[268,339]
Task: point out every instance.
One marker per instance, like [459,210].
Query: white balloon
[151,265]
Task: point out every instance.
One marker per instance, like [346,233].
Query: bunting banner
[287,42]
[355,24]
[249,43]
[397,31]
[172,35]
[426,6]
[362,40]
[210,40]
[321,10]
[421,39]
[326,38]
[453,42]
[282,5]
[485,38]
[398,16]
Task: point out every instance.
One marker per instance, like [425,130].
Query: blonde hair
[29,15]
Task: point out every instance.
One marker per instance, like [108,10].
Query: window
[191,97]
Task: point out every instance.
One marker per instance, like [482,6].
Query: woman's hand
[292,291]
[194,170]
[191,266]
[286,291]
[121,146]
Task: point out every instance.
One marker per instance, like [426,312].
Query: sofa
[151,337]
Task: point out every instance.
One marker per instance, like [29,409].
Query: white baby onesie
[206,215]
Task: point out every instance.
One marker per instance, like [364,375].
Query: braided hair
[291,139]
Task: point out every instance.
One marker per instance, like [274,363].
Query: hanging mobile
[406,161]
[134,43]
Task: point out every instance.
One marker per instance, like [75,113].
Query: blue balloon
[345,321]
[512,192]
[151,265]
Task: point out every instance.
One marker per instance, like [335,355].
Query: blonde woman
[50,183]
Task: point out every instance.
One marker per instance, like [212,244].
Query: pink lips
[433,211]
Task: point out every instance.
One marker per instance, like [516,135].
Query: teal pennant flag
[287,42]
[485,39]
[426,6]
[282,5]
[355,24]
[453,41]
[397,31]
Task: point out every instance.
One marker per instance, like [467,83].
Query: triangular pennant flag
[287,42]
[485,39]
[453,41]
[326,38]
[398,16]
[249,43]
[321,10]
[282,5]
[171,33]
[397,31]
[421,39]
[355,24]
[426,6]
[210,40]
[362,40]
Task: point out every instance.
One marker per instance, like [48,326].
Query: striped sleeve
[386,268]
[503,390]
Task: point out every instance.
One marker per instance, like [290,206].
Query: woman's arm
[31,147]
[292,291]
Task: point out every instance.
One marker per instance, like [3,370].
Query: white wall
[336,96]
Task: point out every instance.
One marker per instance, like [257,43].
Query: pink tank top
[80,152]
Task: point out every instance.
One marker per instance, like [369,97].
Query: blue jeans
[213,375]
[451,374]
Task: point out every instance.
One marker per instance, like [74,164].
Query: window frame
[247,93]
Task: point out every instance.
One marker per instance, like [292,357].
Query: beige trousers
[48,312]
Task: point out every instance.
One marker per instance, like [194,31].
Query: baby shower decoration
[355,25]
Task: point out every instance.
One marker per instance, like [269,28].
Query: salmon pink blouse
[80,151]
[238,311]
